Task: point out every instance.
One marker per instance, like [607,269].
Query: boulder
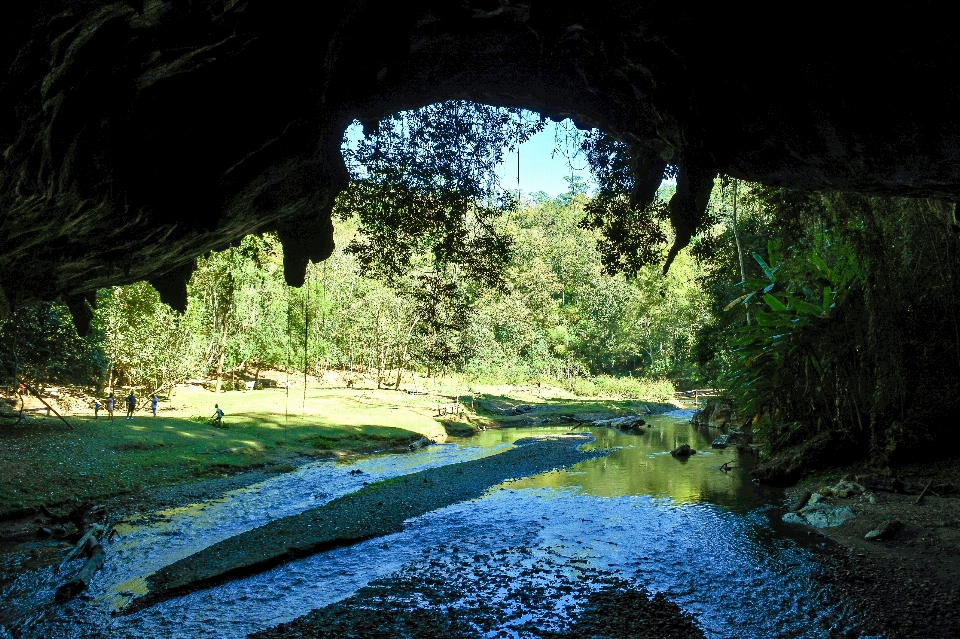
[820,515]
[717,413]
[722,415]
[887,530]
[721,442]
[683,451]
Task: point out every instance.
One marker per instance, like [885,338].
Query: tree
[144,340]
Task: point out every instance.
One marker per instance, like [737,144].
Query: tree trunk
[220,369]
[223,354]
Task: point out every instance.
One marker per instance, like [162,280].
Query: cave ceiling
[137,136]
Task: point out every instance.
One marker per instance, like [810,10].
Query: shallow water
[638,515]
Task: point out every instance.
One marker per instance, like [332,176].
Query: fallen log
[81,546]
[623,423]
[49,407]
[95,558]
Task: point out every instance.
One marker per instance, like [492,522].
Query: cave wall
[137,136]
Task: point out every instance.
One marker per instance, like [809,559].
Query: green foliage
[425,181]
[782,345]
[39,343]
[659,390]
[143,339]
[847,332]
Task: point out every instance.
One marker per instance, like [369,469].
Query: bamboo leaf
[737,301]
[805,307]
[773,252]
[766,267]
[821,266]
[774,303]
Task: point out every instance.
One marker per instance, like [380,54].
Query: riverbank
[908,586]
[48,463]
[377,510]
[573,553]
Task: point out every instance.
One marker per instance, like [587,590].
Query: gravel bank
[377,510]
[908,587]
[383,610]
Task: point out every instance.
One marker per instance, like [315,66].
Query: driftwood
[81,546]
[924,491]
[630,422]
[87,546]
[82,516]
[95,558]
[420,443]
[49,407]
[801,501]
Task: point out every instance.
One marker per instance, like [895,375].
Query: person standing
[153,404]
[131,405]
[96,409]
[110,404]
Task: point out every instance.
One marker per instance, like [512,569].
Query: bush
[659,390]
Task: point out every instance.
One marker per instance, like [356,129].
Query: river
[637,516]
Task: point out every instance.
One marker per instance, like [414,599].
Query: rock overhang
[138,136]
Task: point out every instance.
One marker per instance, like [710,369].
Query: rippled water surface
[639,516]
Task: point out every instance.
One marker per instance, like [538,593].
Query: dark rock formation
[136,136]
[683,451]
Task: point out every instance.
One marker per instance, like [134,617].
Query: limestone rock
[820,515]
[887,530]
[721,442]
[135,136]
[825,515]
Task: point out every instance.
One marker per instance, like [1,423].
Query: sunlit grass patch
[101,458]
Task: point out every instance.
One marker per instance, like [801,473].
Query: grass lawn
[44,462]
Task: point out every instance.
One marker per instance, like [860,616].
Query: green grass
[46,463]
[658,390]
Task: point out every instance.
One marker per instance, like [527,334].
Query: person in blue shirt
[217,415]
[153,404]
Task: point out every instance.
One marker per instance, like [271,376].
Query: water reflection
[637,515]
[640,464]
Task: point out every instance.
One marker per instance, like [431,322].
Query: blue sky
[543,161]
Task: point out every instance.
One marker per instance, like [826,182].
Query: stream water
[636,516]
